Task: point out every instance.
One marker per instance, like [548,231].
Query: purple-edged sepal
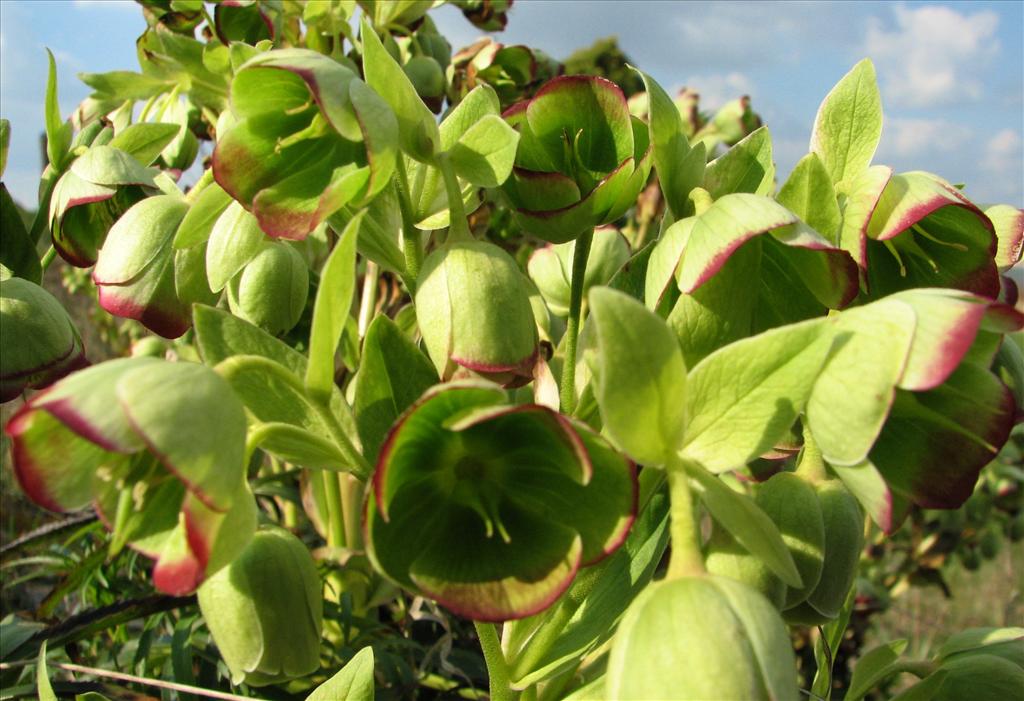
[310,137]
[157,447]
[491,509]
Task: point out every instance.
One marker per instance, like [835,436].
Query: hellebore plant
[372,421]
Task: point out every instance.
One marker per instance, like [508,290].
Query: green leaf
[43,687]
[234,240]
[679,167]
[393,374]
[639,377]
[221,335]
[849,124]
[106,165]
[862,197]
[742,398]
[746,167]
[333,299]
[864,481]
[809,194]
[484,154]
[5,144]
[202,217]
[125,85]
[17,252]
[145,141]
[832,634]
[58,132]
[379,232]
[417,129]
[852,397]
[595,602]
[749,525]
[354,682]
[873,667]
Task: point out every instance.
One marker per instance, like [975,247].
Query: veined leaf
[849,124]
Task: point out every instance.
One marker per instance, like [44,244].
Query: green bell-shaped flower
[39,343]
[265,610]
[582,158]
[310,137]
[701,638]
[491,509]
[473,309]
[271,290]
[157,448]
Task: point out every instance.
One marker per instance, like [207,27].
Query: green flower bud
[969,558]
[473,309]
[426,76]
[265,610]
[271,290]
[39,343]
[989,543]
[794,506]
[844,540]
[582,158]
[701,638]
[725,557]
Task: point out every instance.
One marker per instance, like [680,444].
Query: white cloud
[916,137]
[716,89]
[106,5]
[1004,153]
[933,54]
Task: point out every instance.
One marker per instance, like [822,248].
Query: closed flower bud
[141,276]
[473,309]
[701,637]
[39,344]
[271,290]
[265,610]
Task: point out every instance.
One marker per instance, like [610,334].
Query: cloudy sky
[952,73]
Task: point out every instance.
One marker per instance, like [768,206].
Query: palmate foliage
[457,340]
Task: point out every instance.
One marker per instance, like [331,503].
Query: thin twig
[159,683]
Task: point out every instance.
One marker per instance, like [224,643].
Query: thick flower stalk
[157,448]
[529,495]
[310,137]
[582,158]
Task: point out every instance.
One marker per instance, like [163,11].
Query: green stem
[497,667]
[572,329]
[811,464]
[359,465]
[411,239]
[42,218]
[686,559]
[147,107]
[335,509]
[458,226]
[173,97]
[701,199]
[204,180]
[351,502]
[48,257]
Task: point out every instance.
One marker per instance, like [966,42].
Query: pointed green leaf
[17,252]
[417,129]
[679,167]
[746,167]
[202,216]
[58,132]
[393,374]
[5,144]
[849,124]
[353,682]
[43,688]
[809,194]
[125,85]
[145,141]
[106,165]
[747,523]
[862,198]
[639,377]
[333,299]
[484,154]
[873,667]
[742,398]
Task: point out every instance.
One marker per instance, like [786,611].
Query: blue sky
[952,73]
